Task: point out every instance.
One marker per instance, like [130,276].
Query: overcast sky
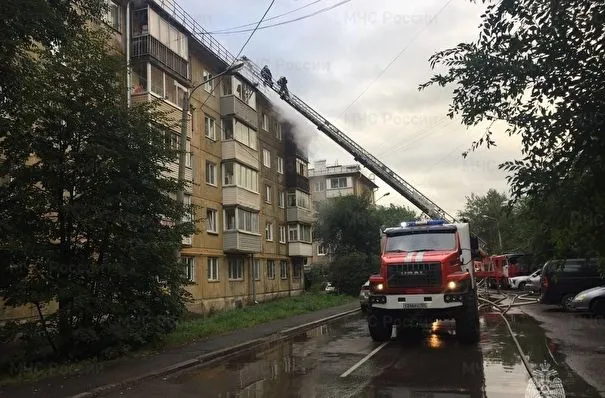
[329,59]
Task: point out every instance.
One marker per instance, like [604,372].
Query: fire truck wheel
[380,327]
[467,320]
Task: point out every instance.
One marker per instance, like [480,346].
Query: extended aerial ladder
[253,73]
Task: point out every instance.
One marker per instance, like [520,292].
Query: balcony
[233,149]
[334,193]
[297,181]
[240,242]
[233,195]
[300,249]
[231,105]
[299,214]
[150,46]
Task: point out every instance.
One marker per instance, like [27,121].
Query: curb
[209,358]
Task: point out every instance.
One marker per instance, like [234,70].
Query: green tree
[537,66]
[393,215]
[86,199]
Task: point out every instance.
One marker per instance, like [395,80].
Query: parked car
[330,288]
[533,285]
[364,297]
[519,282]
[562,280]
[592,300]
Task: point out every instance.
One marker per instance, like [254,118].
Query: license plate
[414,305]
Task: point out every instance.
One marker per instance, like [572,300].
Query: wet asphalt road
[340,360]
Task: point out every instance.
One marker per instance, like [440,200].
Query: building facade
[238,170]
[328,182]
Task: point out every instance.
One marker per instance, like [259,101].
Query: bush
[349,271]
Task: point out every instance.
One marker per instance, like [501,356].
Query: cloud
[331,58]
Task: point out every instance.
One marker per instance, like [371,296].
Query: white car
[330,288]
[519,282]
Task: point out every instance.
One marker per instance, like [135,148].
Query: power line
[321,10]
[396,57]
[240,51]
[267,19]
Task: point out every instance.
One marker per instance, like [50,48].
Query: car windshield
[430,241]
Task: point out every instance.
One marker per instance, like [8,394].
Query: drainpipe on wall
[128,68]
[252,279]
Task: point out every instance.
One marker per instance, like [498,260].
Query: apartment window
[338,182]
[210,173]
[240,175]
[157,81]
[278,132]
[234,86]
[296,271]
[280,165]
[269,231]
[299,232]
[321,250]
[208,83]
[112,16]
[188,217]
[268,193]
[270,269]
[234,129]
[320,186]
[282,234]
[301,168]
[213,269]
[240,219]
[166,34]
[265,124]
[281,200]
[266,158]
[256,269]
[210,127]
[189,268]
[140,23]
[299,199]
[236,269]
[211,221]
[139,78]
[166,87]
[283,269]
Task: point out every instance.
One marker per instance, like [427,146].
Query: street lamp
[498,227]
[386,194]
[180,196]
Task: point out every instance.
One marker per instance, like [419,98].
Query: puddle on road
[415,365]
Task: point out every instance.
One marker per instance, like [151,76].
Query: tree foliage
[538,67]
[86,195]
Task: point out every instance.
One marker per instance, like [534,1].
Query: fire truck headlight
[451,285]
[380,286]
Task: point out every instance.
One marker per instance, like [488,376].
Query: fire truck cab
[426,273]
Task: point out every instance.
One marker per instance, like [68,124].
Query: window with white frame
[189,268]
[301,168]
[270,269]
[299,199]
[234,129]
[282,234]
[256,269]
[265,124]
[241,220]
[339,182]
[210,173]
[112,16]
[269,231]
[268,194]
[296,271]
[321,249]
[280,165]
[213,269]
[281,200]
[278,132]
[320,185]
[236,268]
[266,158]
[166,87]
[166,33]
[242,90]
[211,220]
[240,175]
[210,127]
[188,217]
[208,82]
[283,269]
[299,233]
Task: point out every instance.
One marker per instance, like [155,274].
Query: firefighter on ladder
[283,88]
[266,75]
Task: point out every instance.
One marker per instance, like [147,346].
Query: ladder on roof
[253,73]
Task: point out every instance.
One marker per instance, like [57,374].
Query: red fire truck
[426,273]
[497,269]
